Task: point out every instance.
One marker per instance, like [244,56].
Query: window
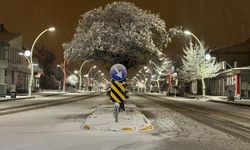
[6,54]
[2,53]
[12,77]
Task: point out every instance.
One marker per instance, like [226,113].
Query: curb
[14,99]
[230,103]
[128,129]
[35,96]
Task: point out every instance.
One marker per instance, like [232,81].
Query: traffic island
[130,120]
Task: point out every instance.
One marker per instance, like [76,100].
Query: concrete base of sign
[130,120]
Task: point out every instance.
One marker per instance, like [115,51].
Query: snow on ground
[60,128]
[180,132]
[102,119]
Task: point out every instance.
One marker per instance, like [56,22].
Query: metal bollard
[116,111]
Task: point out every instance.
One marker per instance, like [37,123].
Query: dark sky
[218,22]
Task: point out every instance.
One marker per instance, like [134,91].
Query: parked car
[154,89]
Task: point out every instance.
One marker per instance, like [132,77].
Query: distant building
[235,73]
[14,72]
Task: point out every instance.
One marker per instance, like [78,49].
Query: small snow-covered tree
[195,66]
[72,79]
[119,33]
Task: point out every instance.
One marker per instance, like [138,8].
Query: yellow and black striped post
[117,92]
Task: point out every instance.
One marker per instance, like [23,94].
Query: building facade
[14,73]
[234,78]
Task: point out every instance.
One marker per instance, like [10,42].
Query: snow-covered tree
[72,79]
[195,65]
[119,33]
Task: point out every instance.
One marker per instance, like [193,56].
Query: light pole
[77,73]
[26,54]
[80,74]
[99,71]
[142,81]
[202,48]
[138,84]
[63,68]
[145,81]
[89,75]
[159,74]
[31,60]
[133,81]
[93,79]
[100,76]
[101,79]
[139,77]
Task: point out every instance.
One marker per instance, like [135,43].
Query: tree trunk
[203,87]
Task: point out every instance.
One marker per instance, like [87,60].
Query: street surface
[178,123]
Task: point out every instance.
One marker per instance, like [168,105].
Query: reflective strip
[117,92]
[120,85]
[115,98]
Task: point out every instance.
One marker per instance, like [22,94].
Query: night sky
[218,22]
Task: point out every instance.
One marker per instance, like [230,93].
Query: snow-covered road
[60,128]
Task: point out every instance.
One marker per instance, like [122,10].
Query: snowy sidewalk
[102,119]
[224,100]
[34,95]
[216,99]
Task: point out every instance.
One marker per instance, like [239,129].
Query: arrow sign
[118,72]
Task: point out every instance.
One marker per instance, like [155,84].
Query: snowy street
[178,123]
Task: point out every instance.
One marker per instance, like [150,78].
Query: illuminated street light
[190,33]
[75,72]
[100,76]
[63,68]
[89,72]
[145,83]
[139,77]
[202,78]
[157,67]
[93,79]
[31,60]
[26,54]
[80,74]
[159,74]
[99,71]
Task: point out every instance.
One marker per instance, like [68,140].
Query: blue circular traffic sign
[118,72]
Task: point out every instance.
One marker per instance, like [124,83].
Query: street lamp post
[63,68]
[89,75]
[99,71]
[100,76]
[133,81]
[202,78]
[100,79]
[159,75]
[93,79]
[142,81]
[26,54]
[31,60]
[80,74]
[138,84]
[145,81]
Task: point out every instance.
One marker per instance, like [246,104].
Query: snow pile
[102,119]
